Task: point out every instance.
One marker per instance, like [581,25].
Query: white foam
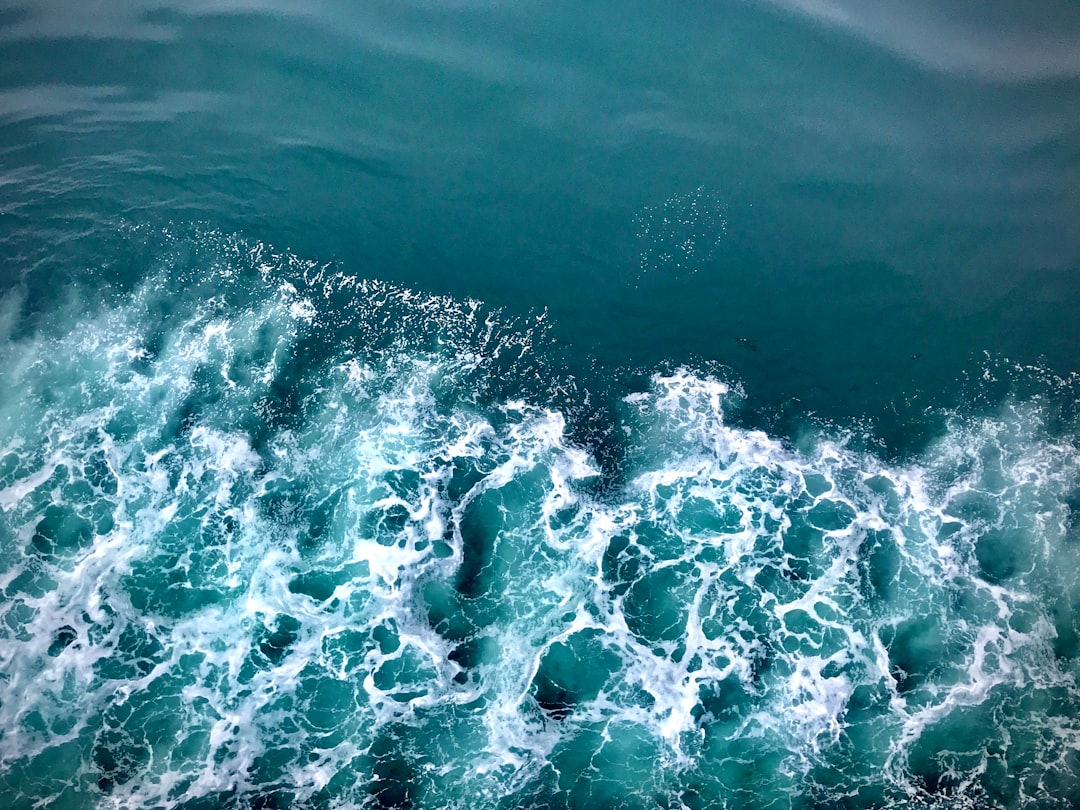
[761,597]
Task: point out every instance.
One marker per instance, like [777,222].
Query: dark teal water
[483,405]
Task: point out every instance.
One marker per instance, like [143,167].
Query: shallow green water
[473,405]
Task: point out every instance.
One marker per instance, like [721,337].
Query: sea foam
[289,545]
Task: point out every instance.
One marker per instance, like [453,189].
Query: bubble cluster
[682,234]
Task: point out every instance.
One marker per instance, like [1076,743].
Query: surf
[275,535]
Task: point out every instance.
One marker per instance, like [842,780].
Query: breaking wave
[273,536]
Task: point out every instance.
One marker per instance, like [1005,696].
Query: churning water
[456,405]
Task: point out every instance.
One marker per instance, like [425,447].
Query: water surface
[469,404]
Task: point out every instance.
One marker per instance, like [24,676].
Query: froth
[354,580]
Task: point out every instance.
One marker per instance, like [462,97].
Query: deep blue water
[536,405]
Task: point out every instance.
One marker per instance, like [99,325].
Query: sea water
[473,405]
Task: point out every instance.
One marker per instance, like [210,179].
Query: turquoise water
[475,405]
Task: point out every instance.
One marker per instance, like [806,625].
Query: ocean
[481,404]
